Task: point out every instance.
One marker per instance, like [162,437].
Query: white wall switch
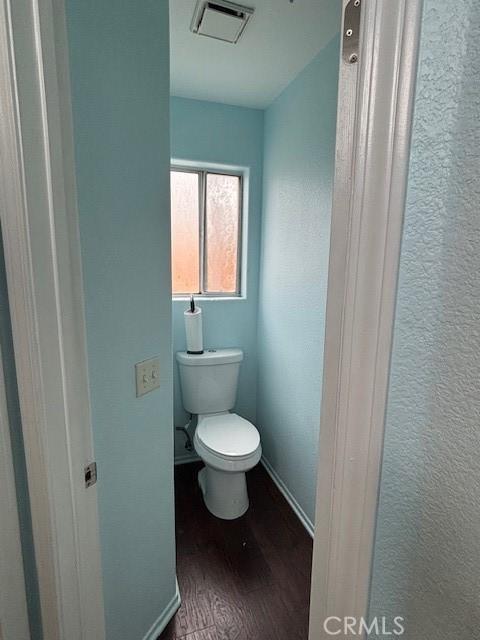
[147,376]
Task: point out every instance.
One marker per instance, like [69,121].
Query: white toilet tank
[209,381]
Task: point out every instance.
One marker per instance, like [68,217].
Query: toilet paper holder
[193,328]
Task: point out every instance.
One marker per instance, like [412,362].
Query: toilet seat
[227,442]
[228,435]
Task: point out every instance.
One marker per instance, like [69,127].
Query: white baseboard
[299,512]
[186,458]
[164,618]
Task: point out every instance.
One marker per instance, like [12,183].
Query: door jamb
[374,123]
[42,255]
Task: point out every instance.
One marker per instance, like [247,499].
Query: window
[206,232]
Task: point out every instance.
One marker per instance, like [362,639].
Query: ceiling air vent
[220,19]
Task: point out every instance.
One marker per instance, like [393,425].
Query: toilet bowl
[228,444]
[229,447]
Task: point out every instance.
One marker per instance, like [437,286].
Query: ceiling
[278,42]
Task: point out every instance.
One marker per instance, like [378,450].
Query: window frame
[202,172]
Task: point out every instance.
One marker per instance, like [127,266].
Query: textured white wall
[427,555]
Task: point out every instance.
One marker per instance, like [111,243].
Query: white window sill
[203,299]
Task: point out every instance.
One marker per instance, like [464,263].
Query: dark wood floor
[246,579]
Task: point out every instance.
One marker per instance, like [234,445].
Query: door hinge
[90,474]
[351,31]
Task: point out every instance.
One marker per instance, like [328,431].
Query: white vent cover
[220,19]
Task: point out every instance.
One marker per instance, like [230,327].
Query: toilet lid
[228,434]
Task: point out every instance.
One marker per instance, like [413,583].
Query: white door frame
[372,152]
[14,623]
[42,255]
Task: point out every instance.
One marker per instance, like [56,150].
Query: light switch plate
[147,376]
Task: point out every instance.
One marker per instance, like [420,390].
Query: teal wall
[18,454]
[222,134]
[297,190]
[427,551]
[119,65]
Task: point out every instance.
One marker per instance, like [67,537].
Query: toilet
[228,444]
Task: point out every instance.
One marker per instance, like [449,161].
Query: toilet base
[224,492]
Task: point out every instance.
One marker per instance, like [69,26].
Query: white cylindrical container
[193,330]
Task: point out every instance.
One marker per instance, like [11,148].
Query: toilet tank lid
[210,357]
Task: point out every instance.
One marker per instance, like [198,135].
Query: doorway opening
[252,133]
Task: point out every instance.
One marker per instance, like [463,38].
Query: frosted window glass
[222,220]
[185,232]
